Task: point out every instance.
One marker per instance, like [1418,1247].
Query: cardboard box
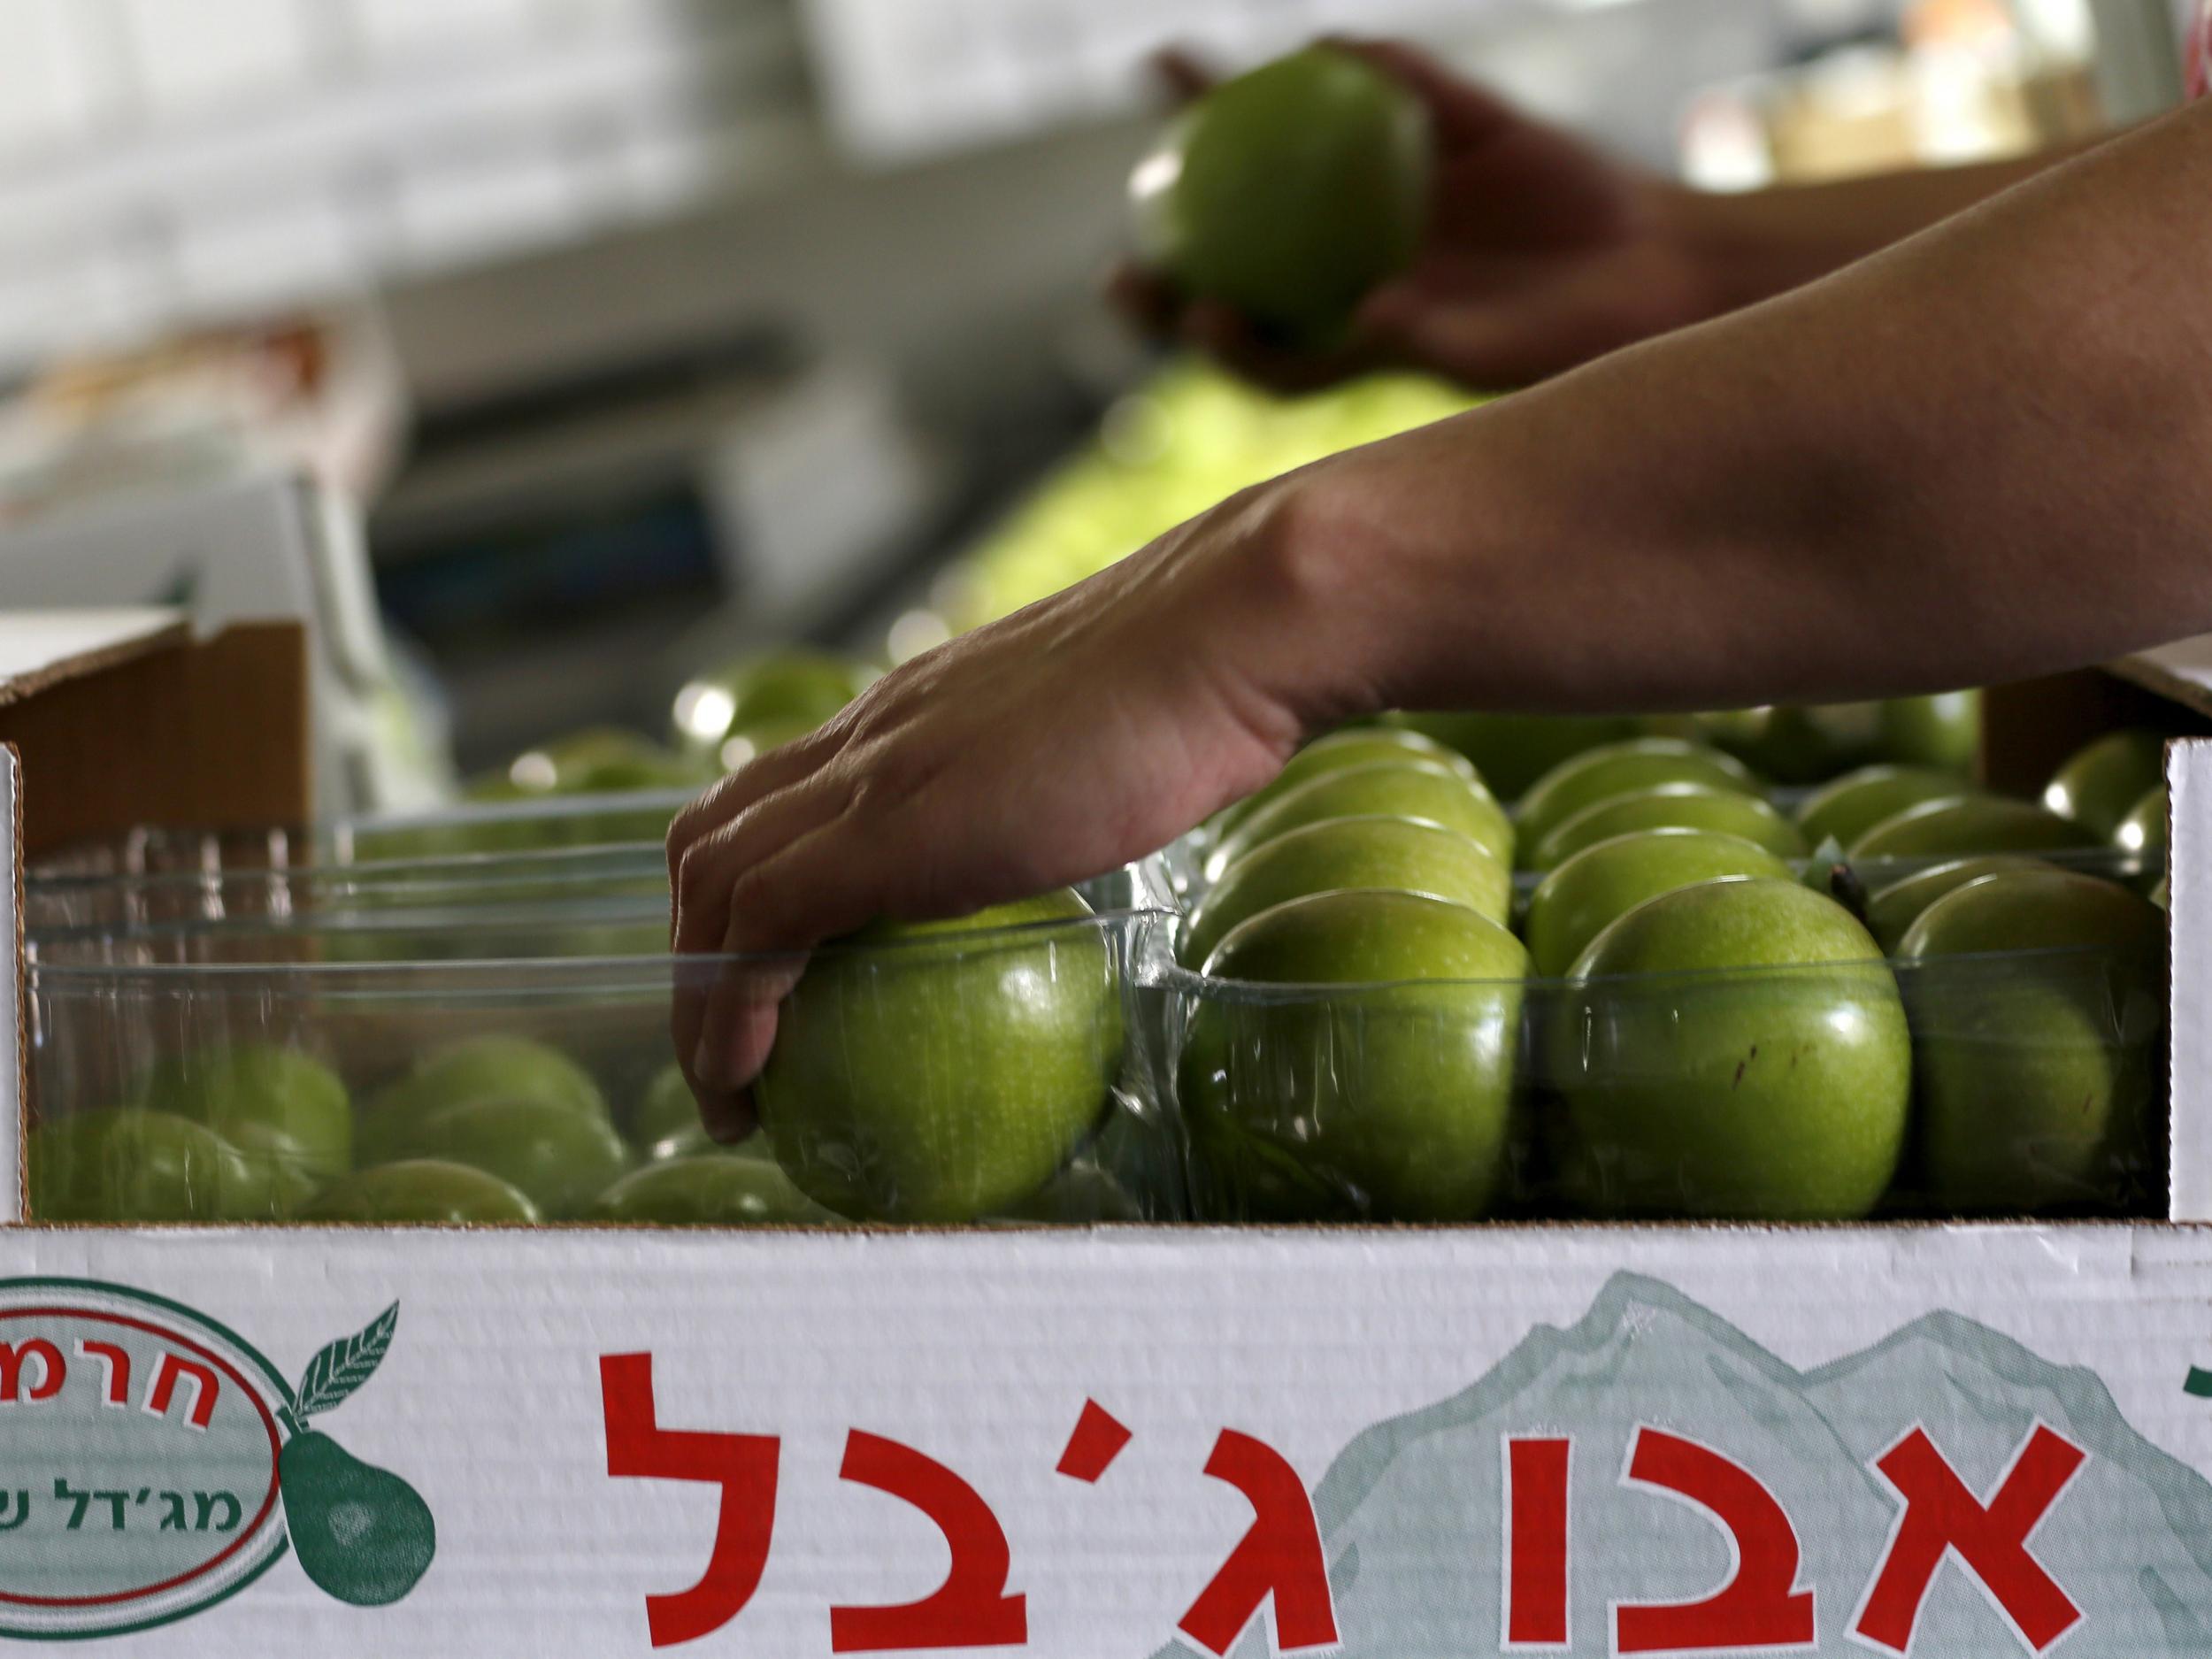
[1941,1441]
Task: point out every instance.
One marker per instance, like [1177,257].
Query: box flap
[2181,673]
[43,648]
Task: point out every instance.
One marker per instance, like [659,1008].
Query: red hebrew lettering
[1759,1607]
[115,1370]
[970,1609]
[1280,1557]
[1942,1516]
[204,1388]
[742,1465]
[1536,1542]
[51,1370]
[1097,1440]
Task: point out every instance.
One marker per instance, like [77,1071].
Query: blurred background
[556,359]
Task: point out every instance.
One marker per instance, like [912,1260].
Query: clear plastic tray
[985,1077]
[555,824]
[417,892]
[2001,1087]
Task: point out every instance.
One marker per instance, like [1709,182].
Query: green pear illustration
[362,1533]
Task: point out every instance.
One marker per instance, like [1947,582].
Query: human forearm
[1976,456]
[1752,245]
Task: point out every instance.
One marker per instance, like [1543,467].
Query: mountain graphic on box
[1413,1516]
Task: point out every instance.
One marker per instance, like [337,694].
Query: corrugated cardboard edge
[22,687]
[15,1197]
[2189,841]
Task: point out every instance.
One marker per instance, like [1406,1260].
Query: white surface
[980,1351]
[2189,846]
[229,154]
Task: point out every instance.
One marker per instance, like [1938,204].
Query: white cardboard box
[1952,1442]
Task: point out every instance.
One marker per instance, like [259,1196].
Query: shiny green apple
[1602,775]
[555,1157]
[938,1071]
[1512,751]
[1796,745]
[271,1103]
[1360,746]
[2101,781]
[1942,732]
[1381,1087]
[494,1066]
[127,1163]
[1972,824]
[2143,830]
[791,691]
[709,1192]
[1588,892]
[1734,1051]
[1846,809]
[1289,192]
[1670,806]
[2038,1000]
[1410,788]
[420,1190]
[1894,908]
[1348,852]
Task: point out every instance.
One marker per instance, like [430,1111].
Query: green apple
[709,1192]
[556,1157]
[2099,783]
[1374,745]
[792,690]
[1972,824]
[1348,852]
[1672,806]
[271,1103]
[1845,809]
[494,1066]
[1381,1086]
[1942,732]
[1512,751]
[1289,192]
[2143,830]
[1734,1051]
[1894,908]
[127,1163]
[2037,998]
[1797,745]
[426,1190]
[938,1071]
[747,743]
[1588,892]
[1408,788]
[2162,894]
[1617,769]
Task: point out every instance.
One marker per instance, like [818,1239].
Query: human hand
[1090,729]
[1542,252]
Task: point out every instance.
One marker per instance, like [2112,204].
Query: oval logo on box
[149,1457]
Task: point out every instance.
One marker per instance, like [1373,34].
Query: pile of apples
[491,1129]
[1896,996]
[1166,453]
